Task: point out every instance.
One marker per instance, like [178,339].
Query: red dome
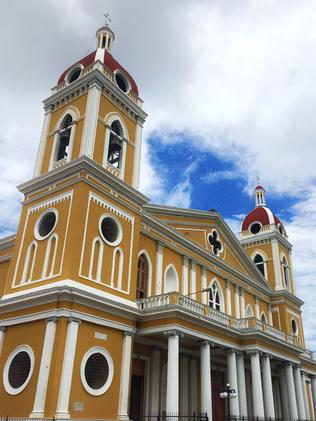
[259,188]
[108,61]
[260,214]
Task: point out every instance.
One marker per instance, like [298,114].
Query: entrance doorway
[136,407]
[218,403]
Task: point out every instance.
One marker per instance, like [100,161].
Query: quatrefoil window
[215,242]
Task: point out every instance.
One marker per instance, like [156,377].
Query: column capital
[266,355]
[204,268]
[232,351]
[193,262]
[3,328]
[52,319]
[173,332]
[253,352]
[185,258]
[74,320]
[160,246]
[236,287]
[228,283]
[206,342]
[128,333]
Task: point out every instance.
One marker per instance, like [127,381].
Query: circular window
[74,74]
[255,228]
[46,224]
[122,82]
[294,327]
[18,370]
[111,230]
[97,371]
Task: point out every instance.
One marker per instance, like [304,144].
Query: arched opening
[142,277]
[171,280]
[95,269]
[115,145]
[117,268]
[63,140]
[50,257]
[263,318]
[286,272]
[259,262]
[249,312]
[29,263]
[214,299]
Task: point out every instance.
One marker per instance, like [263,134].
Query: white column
[193,385]
[293,414]
[155,380]
[67,369]
[257,393]
[172,404]
[137,155]
[184,367]
[242,385]
[2,333]
[206,382]
[228,298]
[284,394]
[276,264]
[232,380]
[313,385]
[43,375]
[237,302]
[299,393]
[270,318]
[185,275]
[193,279]
[242,303]
[291,273]
[159,263]
[310,399]
[123,406]
[257,309]
[90,121]
[267,387]
[303,379]
[42,145]
[204,285]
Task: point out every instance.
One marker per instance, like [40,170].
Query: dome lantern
[105,35]
[260,196]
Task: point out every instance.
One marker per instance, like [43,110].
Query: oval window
[110,230]
[294,327]
[18,370]
[46,225]
[122,82]
[255,228]
[97,371]
[74,74]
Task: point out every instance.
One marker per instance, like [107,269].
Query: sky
[229,88]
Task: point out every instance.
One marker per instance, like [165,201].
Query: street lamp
[229,393]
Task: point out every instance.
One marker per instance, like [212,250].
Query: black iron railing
[164,416]
[235,418]
[9,418]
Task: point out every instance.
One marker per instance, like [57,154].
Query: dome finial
[260,194]
[105,35]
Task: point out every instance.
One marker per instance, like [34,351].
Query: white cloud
[215,176]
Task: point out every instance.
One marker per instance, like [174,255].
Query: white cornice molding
[7,242]
[83,163]
[284,295]
[254,238]
[98,78]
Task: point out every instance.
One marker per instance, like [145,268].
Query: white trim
[172,267]
[100,259]
[91,121]
[276,264]
[270,215]
[204,283]
[264,258]
[48,255]
[125,378]
[150,270]
[75,115]
[228,298]
[221,295]
[265,317]
[62,410]
[25,278]
[126,80]
[257,308]
[119,229]
[249,311]
[287,269]
[159,267]
[192,279]
[43,144]
[137,156]
[40,219]
[8,388]
[253,223]
[108,382]
[71,70]
[117,251]
[43,375]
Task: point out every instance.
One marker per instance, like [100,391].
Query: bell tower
[94,111]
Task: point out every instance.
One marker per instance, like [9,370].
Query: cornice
[7,242]
[274,235]
[97,78]
[83,163]
[284,294]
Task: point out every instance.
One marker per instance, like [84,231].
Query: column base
[35,414]
[123,418]
[62,416]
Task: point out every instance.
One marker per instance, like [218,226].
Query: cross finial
[258,179]
[107,19]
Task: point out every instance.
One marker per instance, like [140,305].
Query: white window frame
[107,384]
[39,219]
[8,388]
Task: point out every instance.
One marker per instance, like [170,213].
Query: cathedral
[113,308]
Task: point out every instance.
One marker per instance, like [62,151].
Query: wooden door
[218,403]
[136,407]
